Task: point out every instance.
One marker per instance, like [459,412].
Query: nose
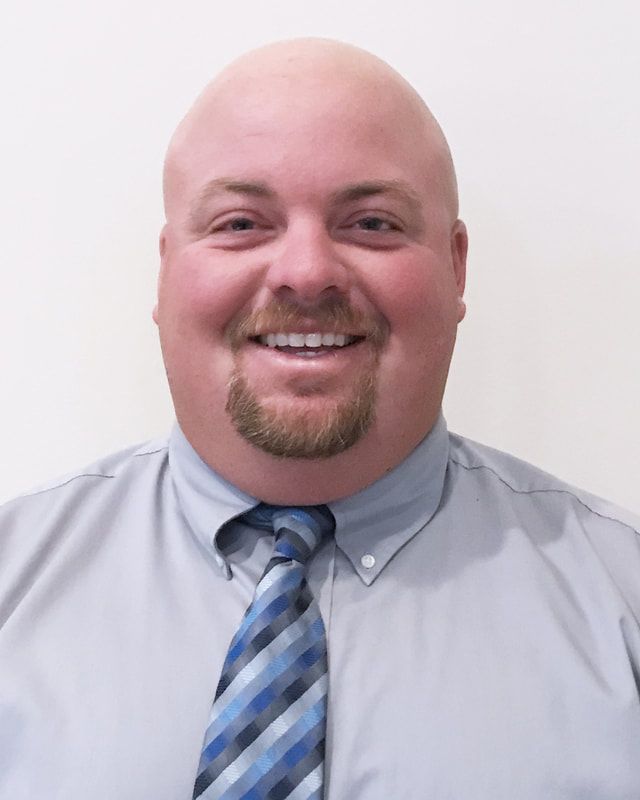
[306,267]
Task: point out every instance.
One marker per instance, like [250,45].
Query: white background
[541,106]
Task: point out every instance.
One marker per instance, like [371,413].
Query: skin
[309,174]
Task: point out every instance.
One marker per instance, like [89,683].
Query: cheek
[420,301]
[202,292]
[421,307]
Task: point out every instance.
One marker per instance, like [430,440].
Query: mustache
[329,315]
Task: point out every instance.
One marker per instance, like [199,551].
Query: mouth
[307,345]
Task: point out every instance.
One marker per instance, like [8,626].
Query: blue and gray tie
[267,727]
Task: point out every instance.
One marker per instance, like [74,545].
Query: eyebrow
[219,186]
[358,191]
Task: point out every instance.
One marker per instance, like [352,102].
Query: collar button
[368,561]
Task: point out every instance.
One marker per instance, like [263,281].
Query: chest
[458,689]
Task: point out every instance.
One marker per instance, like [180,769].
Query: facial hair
[288,432]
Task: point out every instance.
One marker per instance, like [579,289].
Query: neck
[292,481]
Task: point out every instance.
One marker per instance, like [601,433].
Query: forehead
[310,133]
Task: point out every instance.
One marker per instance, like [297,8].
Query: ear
[459,247]
[162,243]
[162,246]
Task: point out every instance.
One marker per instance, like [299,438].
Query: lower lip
[307,352]
[323,357]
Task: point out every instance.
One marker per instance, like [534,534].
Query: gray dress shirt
[482,621]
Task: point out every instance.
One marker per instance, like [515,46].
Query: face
[311,275]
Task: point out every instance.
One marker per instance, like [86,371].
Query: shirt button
[368,561]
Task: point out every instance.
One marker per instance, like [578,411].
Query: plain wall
[542,112]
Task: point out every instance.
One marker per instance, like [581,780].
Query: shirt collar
[205,498]
[375,523]
[371,525]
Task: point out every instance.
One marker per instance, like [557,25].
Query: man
[475,620]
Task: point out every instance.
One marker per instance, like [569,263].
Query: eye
[374,224]
[238,224]
[240,229]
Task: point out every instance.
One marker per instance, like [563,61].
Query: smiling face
[312,271]
[326,423]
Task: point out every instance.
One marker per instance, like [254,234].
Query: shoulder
[574,525]
[515,477]
[63,527]
[110,473]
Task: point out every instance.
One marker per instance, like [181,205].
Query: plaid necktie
[267,726]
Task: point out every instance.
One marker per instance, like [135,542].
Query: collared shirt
[482,621]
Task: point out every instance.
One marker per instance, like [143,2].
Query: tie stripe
[272,701]
[261,671]
[288,728]
[268,721]
[295,765]
[275,761]
[278,617]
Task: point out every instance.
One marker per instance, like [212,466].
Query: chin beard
[305,434]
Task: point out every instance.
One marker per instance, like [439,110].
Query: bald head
[306,76]
[309,190]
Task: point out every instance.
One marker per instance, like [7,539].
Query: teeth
[310,340]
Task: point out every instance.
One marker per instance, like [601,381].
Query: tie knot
[298,530]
